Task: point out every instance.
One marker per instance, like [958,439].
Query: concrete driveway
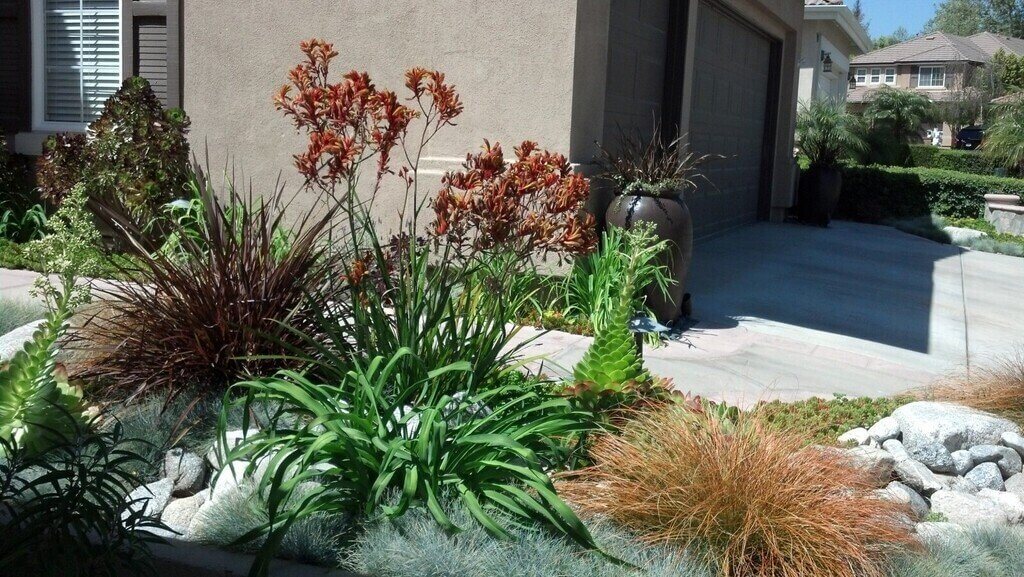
[789,311]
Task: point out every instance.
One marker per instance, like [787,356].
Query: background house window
[77,59]
[862,76]
[876,75]
[890,76]
[932,77]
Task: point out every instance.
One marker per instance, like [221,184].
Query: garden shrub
[414,546]
[878,193]
[967,161]
[22,215]
[751,499]
[210,312]
[136,153]
[821,421]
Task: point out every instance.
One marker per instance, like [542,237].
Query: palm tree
[1004,138]
[901,111]
[826,132]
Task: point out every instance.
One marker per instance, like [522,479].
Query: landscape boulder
[967,509]
[878,462]
[1006,458]
[953,426]
[885,429]
[186,469]
[15,340]
[149,499]
[899,493]
[986,476]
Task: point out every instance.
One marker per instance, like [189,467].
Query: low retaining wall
[1005,212]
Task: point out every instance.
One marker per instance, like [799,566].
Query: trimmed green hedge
[972,162]
[880,193]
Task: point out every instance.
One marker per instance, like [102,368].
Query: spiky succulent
[613,361]
[35,397]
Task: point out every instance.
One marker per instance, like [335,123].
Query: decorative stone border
[1005,212]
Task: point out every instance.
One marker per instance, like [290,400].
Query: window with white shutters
[81,59]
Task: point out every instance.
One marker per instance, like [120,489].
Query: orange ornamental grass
[740,496]
[997,387]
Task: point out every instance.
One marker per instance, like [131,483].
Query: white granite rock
[932,530]
[931,454]
[858,436]
[149,499]
[896,449]
[954,426]
[967,509]
[885,429]
[1015,485]
[1014,441]
[917,476]
[228,479]
[1006,458]
[15,340]
[187,470]
[179,513]
[962,462]
[218,454]
[1011,504]
[878,462]
[986,476]
[899,493]
[955,483]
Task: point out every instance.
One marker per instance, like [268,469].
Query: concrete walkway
[789,311]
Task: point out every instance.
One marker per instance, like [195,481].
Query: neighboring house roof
[991,43]
[943,47]
[840,13]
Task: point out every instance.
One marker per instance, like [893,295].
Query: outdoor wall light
[826,61]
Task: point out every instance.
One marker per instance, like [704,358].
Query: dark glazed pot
[672,222]
[820,188]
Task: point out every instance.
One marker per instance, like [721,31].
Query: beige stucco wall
[512,62]
[816,36]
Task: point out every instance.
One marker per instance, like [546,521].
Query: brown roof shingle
[932,47]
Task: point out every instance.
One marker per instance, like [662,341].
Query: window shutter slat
[83,58]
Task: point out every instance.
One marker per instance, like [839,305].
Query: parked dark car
[969,138]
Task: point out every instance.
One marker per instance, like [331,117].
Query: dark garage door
[732,70]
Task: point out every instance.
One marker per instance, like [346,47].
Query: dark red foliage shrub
[61,166]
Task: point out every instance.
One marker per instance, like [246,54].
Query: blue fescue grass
[983,551]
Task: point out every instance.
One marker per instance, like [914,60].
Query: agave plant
[380,428]
[826,132]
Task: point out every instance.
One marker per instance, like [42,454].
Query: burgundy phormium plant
[351,121]
[533,204]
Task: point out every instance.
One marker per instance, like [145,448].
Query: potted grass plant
[650,178]
[826,133]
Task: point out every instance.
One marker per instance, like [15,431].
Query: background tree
[965,102]
[858,11]
[966,17]
[960,17]
[898,35]
[1008,70]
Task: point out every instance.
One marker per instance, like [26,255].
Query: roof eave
[845,18]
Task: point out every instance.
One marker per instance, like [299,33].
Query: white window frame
[876,76]
[887,73]
[861,76]
[931,86]
[39,122]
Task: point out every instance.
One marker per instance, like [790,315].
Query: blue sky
[886,15]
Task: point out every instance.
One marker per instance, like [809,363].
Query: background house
[566,73]
[830,36]
[942,66]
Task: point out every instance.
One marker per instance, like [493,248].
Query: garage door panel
[731,78]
